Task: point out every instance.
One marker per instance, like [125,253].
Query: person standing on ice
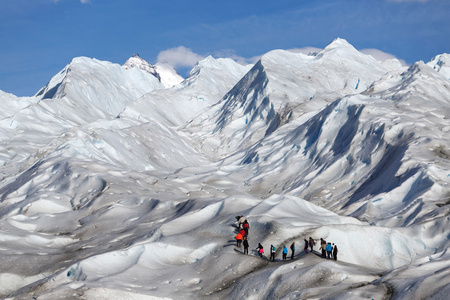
[329,248]
[246,226]
[260,249]
[272,252]
[285,251]
[311,243]
[241,222]
[239,238]
[237,219]
[245,246]
[306,246]
[335,251]
[292,249]
[323,245]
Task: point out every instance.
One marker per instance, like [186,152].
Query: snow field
[113,185]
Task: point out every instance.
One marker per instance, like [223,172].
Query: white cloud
[179,57]
[381,56]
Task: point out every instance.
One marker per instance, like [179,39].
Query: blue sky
[39,37]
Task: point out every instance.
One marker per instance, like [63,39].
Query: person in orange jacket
[239,238]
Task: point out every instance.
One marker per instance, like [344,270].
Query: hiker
[323,245]
[242,232]
[237,219]
[335,251]
[285,251]
[241,222]
[260,249]
[245,246]
[311,243]
[329,248]
[246,227]
[292,249]
[239,238]
[272,252]
[306,246]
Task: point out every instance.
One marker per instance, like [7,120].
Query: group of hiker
[242,236]
[328,250]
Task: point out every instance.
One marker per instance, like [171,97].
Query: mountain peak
[163,72]
[137,62]
[441,64]
[339,43]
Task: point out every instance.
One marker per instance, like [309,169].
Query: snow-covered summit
[441,63]
[137,62]
[340,44]
[95,89]
[164,72]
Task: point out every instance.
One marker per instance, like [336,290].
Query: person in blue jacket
[329,248]
[285,251]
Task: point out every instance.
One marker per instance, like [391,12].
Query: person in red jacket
[246,227]
[239,238]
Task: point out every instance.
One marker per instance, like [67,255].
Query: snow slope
[115,187]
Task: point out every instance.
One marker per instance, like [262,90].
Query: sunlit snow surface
[114,185]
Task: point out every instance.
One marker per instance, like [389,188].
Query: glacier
[124,181]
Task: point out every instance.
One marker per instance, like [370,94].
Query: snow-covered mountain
[207,83]
[164,72]
[88,89]
[114,184]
